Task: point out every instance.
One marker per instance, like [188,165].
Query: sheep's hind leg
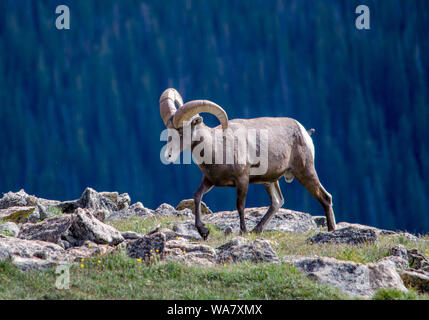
[309,179]
[277,202]
[242,185]
[204,187]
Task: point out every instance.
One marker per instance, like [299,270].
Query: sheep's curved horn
[167,102]
[191,108]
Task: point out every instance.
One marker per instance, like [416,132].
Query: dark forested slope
[79,107]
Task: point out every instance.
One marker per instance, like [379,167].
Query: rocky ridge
[39,234]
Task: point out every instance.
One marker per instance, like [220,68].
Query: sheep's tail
[307,139]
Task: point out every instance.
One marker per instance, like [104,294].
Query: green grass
[291,243]
[119,277]
[394,294]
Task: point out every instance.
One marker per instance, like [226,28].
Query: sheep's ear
[197,120]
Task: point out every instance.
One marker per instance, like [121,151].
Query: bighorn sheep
[290,154]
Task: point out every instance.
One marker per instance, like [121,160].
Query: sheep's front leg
[242,186]
[204,187]
[277,201]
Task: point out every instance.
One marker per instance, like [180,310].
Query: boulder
[22,199]
[131,235]
[183,251]
[348,235]
[417,280]
[86,227]
[135,210]
[16,214]
[187,230]
[416,260]
[190,204]
[241,249]
[283,221]
[28,264]
[354,279]
[88,249]
[91,199]
[147,247]
[399,262]
[9,229]
[399,251]
[49,230]
[383,232]
[167,210]
[41,255]
[10,247]
[342,225]
[122,201]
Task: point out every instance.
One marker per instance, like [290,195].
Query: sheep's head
[186,115]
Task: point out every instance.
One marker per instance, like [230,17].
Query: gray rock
[91,199]
[64,244]
[241,249]
[190,204]
[147,247]
[135,210]
[167,210]
[49,230]
[28,264]
[399,262]
[399,251]
[14,199]
[43,213]
[9,229]
[122,201]
[283,221]
[187,230]
[100,214]
[131,235]
[348,235]
[10,247]
[86,227]
[41,255]
[416,260]
[183,251]
[16,214]
[34,217]
[22,199]
[320,221]
[354,279]
[379,232]
[169,234]
[88,249]
[417,280]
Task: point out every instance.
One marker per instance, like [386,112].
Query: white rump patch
[307,138]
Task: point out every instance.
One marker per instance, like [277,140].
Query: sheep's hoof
[257,230]
[204,232]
